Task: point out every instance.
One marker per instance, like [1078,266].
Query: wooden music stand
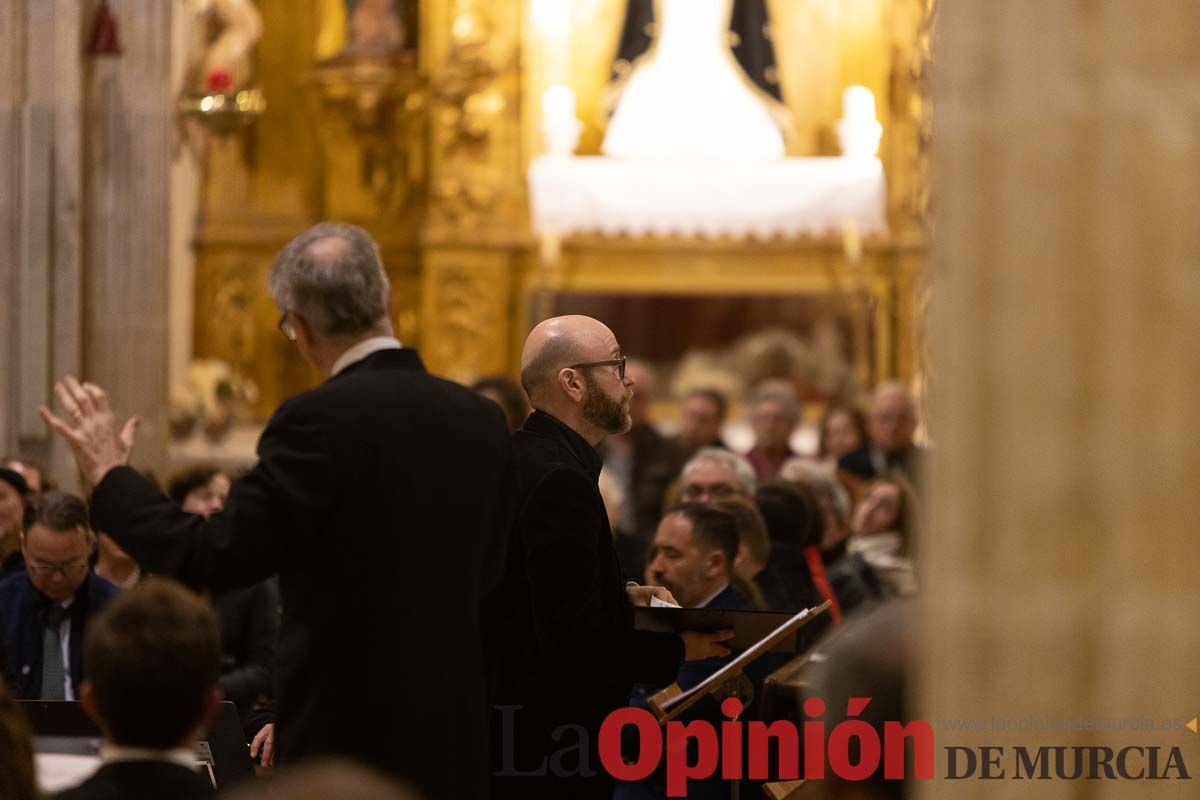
[673,701]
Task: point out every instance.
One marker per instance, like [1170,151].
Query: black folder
[749,627]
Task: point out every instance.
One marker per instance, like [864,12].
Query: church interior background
[154,156]
[469,138]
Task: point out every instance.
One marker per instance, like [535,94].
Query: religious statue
[224,33]
[697,91]
[353,29]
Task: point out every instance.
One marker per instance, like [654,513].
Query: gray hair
[820,479]
[341,290]
[716,455]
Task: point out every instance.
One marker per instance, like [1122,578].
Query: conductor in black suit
[566,652]
[380,498]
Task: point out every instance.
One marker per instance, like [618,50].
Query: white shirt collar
[112,753]
[366,347]
[713,596]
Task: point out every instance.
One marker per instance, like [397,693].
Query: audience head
[889,506]
[715,474]
[893,418]
[790,513]
[17,776]
[701,415]
[331,289]
[30,470]
[572,368]
[200,491]
[843,430]
[694,550]
[754,544]
[57,542]
[13,493]
[504,392]
[832,498]
[327,779]
[868,656]
[154,658]
[774,414]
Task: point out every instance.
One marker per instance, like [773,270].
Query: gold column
[1059,574]
[477,219]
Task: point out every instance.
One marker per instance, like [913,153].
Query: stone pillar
[129,128]
[83,217]
[1060,564]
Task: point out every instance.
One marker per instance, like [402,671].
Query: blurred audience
[508,394]
[642,461]
[883,533]
[248,619]
[714,474]
[750,571]
[327,779]
[701,415]
[153,656]
[891,423]
[774,415]
[45,611]
[13,494]
[832,499]
[17,775]
[796,578]
[30,470]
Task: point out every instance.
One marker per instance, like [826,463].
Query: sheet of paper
[656,603]
[58,771]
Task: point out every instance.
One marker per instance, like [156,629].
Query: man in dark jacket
[566,651]
[381,500]
[45,610]
[154,655]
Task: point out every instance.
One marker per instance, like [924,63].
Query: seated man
[45,610]
[154,655]
[891,423]
[714,474]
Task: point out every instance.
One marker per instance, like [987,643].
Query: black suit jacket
[141,780]
[381,500]
[566,651]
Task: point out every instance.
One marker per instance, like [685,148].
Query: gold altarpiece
[429,153]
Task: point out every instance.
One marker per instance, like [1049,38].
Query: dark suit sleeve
[274,509]
[577,626]
[254,645]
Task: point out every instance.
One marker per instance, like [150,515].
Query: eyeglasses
[619,363]
[286,327]
[69,569]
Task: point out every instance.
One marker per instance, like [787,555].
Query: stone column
[1060,564]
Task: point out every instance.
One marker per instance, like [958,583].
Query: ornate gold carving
[466,315]
[477,189]
[375,109]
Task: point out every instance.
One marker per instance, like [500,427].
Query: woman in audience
[17,777]
[843,430]
[13,491]
[794,525]
[883,533]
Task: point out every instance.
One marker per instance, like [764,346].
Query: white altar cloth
[787,197]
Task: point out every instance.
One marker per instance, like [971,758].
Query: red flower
[218,81]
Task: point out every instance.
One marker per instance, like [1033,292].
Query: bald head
[558,343]
[893,418]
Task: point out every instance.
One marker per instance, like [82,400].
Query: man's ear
[571,384]
[87,699]
[212,707]
[715,563]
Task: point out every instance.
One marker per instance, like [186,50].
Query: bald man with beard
[565,651]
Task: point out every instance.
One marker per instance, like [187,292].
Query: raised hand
[90,428]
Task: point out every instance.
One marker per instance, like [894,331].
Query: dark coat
[909,462]
[381,500]
[565,651]
[249,624]
[23,624]
[141,780]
